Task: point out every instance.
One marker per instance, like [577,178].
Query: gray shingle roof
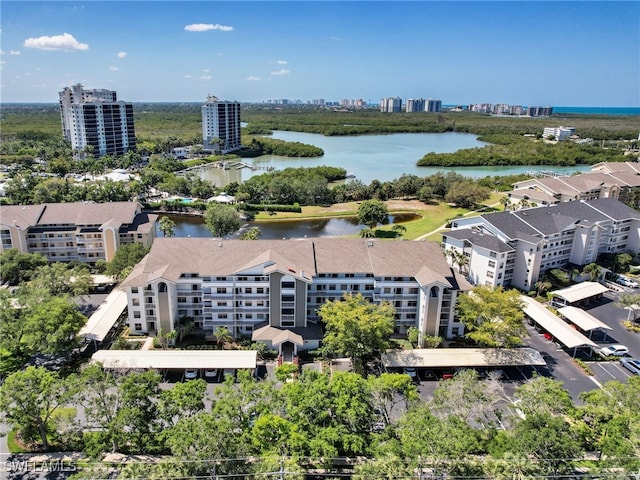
[555,218]
[484,240]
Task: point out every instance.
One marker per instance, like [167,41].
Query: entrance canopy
[105,317]
[462,357]
[553,324]
[175,359]
[582,319]
[579,291]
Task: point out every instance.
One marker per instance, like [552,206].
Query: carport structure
[555,326]
[165,360]
[104,318]
[578,293]
[584,320]
[462,357]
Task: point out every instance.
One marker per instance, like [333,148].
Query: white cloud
[206,70]
[187,76]
[281,72]
[113,69]
[65,42]
[205,77]
[122,54]
[14,52]
[253,79]
[282,62]
[203,27]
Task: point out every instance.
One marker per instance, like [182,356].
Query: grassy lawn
[430,217]
[14,446]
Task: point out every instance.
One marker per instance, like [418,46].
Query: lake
[374,157]
[313,228]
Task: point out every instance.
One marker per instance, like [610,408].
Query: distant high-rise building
[415,105]
[433,105]
[95,122]
[391,104]
[540,111]
[221,125]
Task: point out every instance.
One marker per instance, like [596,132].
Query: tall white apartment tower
[221,125]
[393,104]
[95,122]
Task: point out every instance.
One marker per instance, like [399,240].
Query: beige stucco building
[79,231]
[272,289]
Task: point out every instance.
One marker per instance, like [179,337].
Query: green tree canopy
[53,326]
[222,219]
[372,212]
[166,226]
[125,258]
[17,267]
[63,279]
[493,317]
[28,400]
[467,194]
[356,327]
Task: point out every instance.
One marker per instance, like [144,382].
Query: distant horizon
[519,52]
[306,103]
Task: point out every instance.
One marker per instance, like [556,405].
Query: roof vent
[369,244]
[220,244]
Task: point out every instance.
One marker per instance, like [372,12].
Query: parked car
[411,371]
[627,282]
[614,351]
[211,373]
[190,374]
[631,364]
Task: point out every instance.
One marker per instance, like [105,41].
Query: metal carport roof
[462,357]
[176,359]
[105,317]
[580,291]
[553,324]
[582,319]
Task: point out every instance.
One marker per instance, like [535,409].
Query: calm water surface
[373,157]
[322,227]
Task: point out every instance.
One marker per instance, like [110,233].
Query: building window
[138,326]
[492,264]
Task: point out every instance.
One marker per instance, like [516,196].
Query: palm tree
[367,232]
[594,270]
[463,263]
[222,336]
[398,229]
[505,202]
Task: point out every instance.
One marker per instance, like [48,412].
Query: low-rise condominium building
[251,287]
[78,231]
[513,248]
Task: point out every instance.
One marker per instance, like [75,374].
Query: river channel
[373,157]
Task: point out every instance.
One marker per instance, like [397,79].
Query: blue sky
[578,53]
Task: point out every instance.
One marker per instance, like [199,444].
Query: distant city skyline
[523,53]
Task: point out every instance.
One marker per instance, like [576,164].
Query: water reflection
[310,228]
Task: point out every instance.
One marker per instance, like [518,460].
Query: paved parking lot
[607,371]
